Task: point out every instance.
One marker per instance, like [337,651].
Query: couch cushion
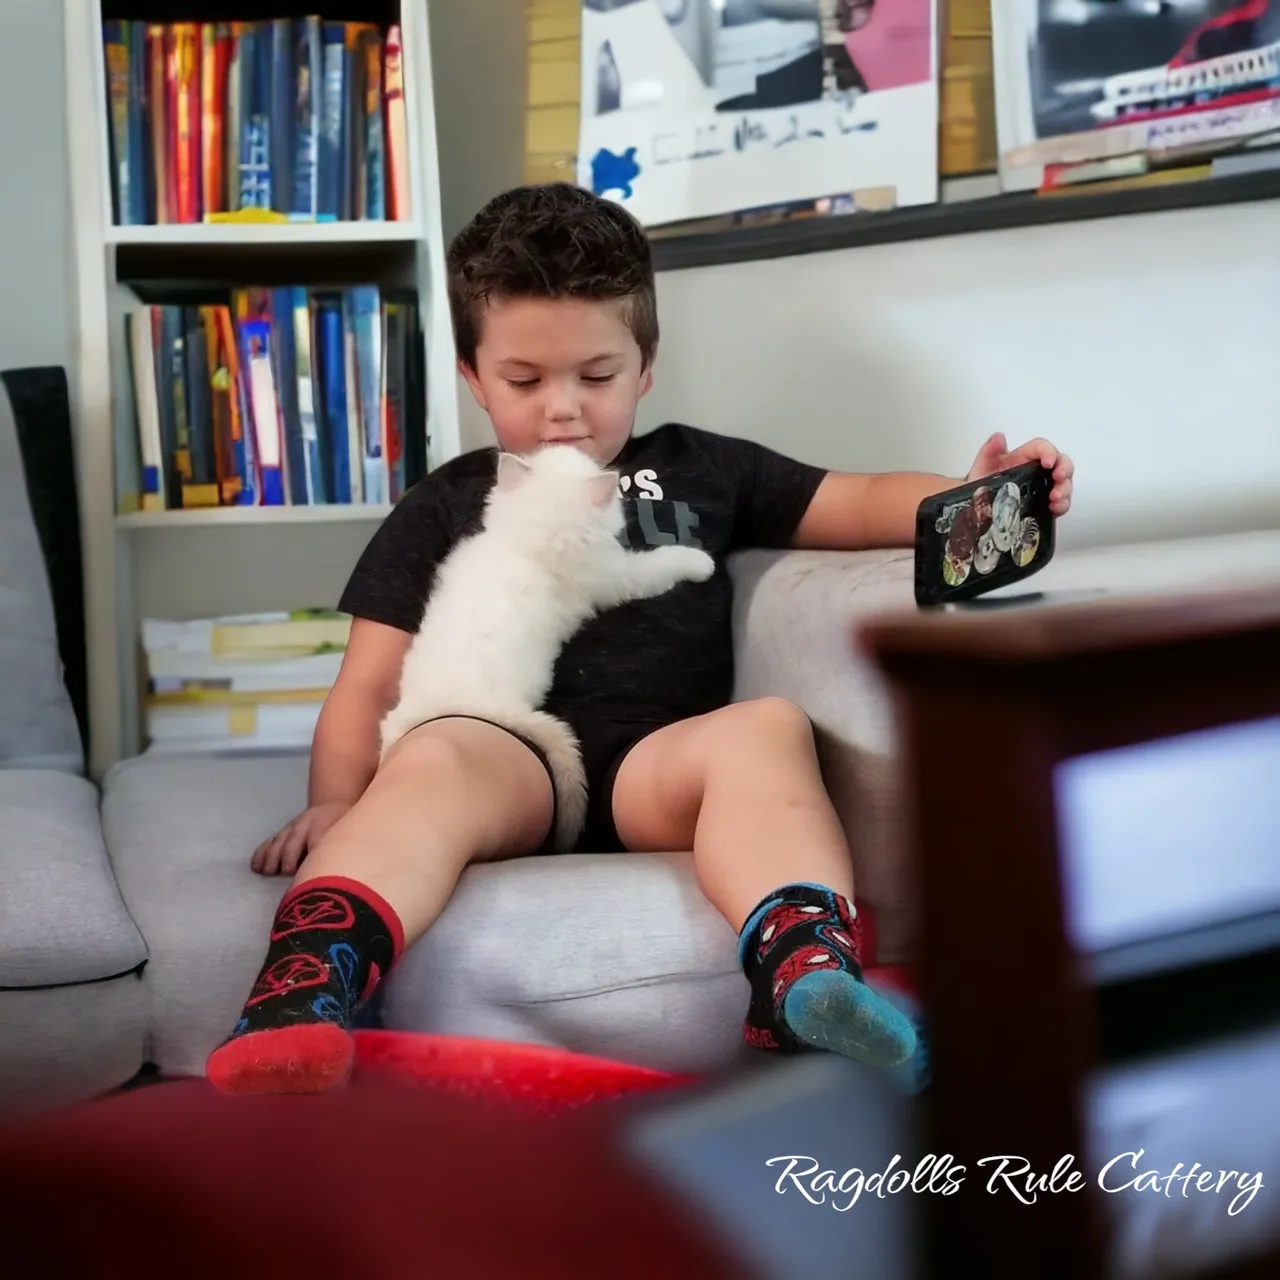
[60,1045]
[617,955]
[181,831]
[61,916]
[37,724]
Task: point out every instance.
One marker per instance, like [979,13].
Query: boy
[552,295]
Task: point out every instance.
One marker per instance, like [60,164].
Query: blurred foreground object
[380,1179]
[999,707]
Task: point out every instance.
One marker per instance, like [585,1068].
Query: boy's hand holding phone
[996,455]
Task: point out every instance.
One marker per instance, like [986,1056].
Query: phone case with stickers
[983,535]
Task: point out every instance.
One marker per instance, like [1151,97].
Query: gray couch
[131,926]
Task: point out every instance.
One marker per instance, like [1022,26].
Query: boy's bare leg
[449,793]
[741,787]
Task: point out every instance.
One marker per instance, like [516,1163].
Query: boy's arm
[851,512]
[345,749]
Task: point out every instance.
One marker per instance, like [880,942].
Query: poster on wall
[1096,80]
[695,108]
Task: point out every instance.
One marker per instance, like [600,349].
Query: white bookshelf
[160,562]
[215,517]
[281,235]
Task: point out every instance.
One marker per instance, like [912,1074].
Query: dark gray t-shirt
[650,661]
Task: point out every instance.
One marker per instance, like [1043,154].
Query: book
[313,467]
[141,347]
[333,113]
[294,116]
[158,106]
[115,41]
[283,95]
[201,489]
[336,415]
[294,632]
[366,325]
[369,49]
[283,348]
[399,204]
[306,118]
[185,38]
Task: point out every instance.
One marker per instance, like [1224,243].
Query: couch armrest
[794,618]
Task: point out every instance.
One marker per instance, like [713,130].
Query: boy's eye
[598,377]
[522,382]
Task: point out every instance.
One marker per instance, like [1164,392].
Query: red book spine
[187,132]
[158,99]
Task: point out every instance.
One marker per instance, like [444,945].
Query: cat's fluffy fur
[506,599]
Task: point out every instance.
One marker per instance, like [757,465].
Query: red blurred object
[530,1077]
[380,1179]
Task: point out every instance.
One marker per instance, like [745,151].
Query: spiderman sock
[800,951]
[332,941]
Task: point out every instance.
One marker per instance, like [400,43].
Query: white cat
[506,600]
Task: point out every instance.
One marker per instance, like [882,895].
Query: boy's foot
[332,941]
[800,951]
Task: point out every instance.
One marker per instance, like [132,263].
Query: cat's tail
[552,737]
[559,745]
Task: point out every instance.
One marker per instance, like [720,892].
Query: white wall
[1144,346]
[35,245]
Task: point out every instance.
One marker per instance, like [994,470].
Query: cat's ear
[512,469]
[603,487]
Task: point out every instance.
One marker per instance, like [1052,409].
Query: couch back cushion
[37,724]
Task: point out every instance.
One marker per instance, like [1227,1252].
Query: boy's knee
[771,717]
[425,752]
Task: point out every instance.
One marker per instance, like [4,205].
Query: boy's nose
[561,406]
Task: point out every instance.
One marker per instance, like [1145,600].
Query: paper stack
[240,683]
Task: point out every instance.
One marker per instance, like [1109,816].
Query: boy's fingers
[271,856]
[294,849]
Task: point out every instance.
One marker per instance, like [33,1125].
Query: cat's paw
[689,564]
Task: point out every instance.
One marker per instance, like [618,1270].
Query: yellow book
[205,697]
[299,636]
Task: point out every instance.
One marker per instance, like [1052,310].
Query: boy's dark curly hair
[553,241]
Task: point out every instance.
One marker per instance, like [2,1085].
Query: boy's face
[558,371]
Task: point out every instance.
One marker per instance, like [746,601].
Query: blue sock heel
[831,1009]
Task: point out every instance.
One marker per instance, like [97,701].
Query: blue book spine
[346,182]
[334,389]
[332,116]
[282,102]
[255,119]
[307,411]
[306,120]
[243,451]
[255,357]
[374,149]
[141,181]
[116,53]
[284,351]
[366,307]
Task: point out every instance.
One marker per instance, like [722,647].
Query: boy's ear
[646,377]
[603,487]
[473,381]
[512,470]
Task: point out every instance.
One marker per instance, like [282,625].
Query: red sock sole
[307,1058]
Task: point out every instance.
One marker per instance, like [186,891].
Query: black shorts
[604,744]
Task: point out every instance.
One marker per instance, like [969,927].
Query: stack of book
[241,683]
[302,118]
[283,396]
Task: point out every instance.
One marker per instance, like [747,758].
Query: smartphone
[983,535]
